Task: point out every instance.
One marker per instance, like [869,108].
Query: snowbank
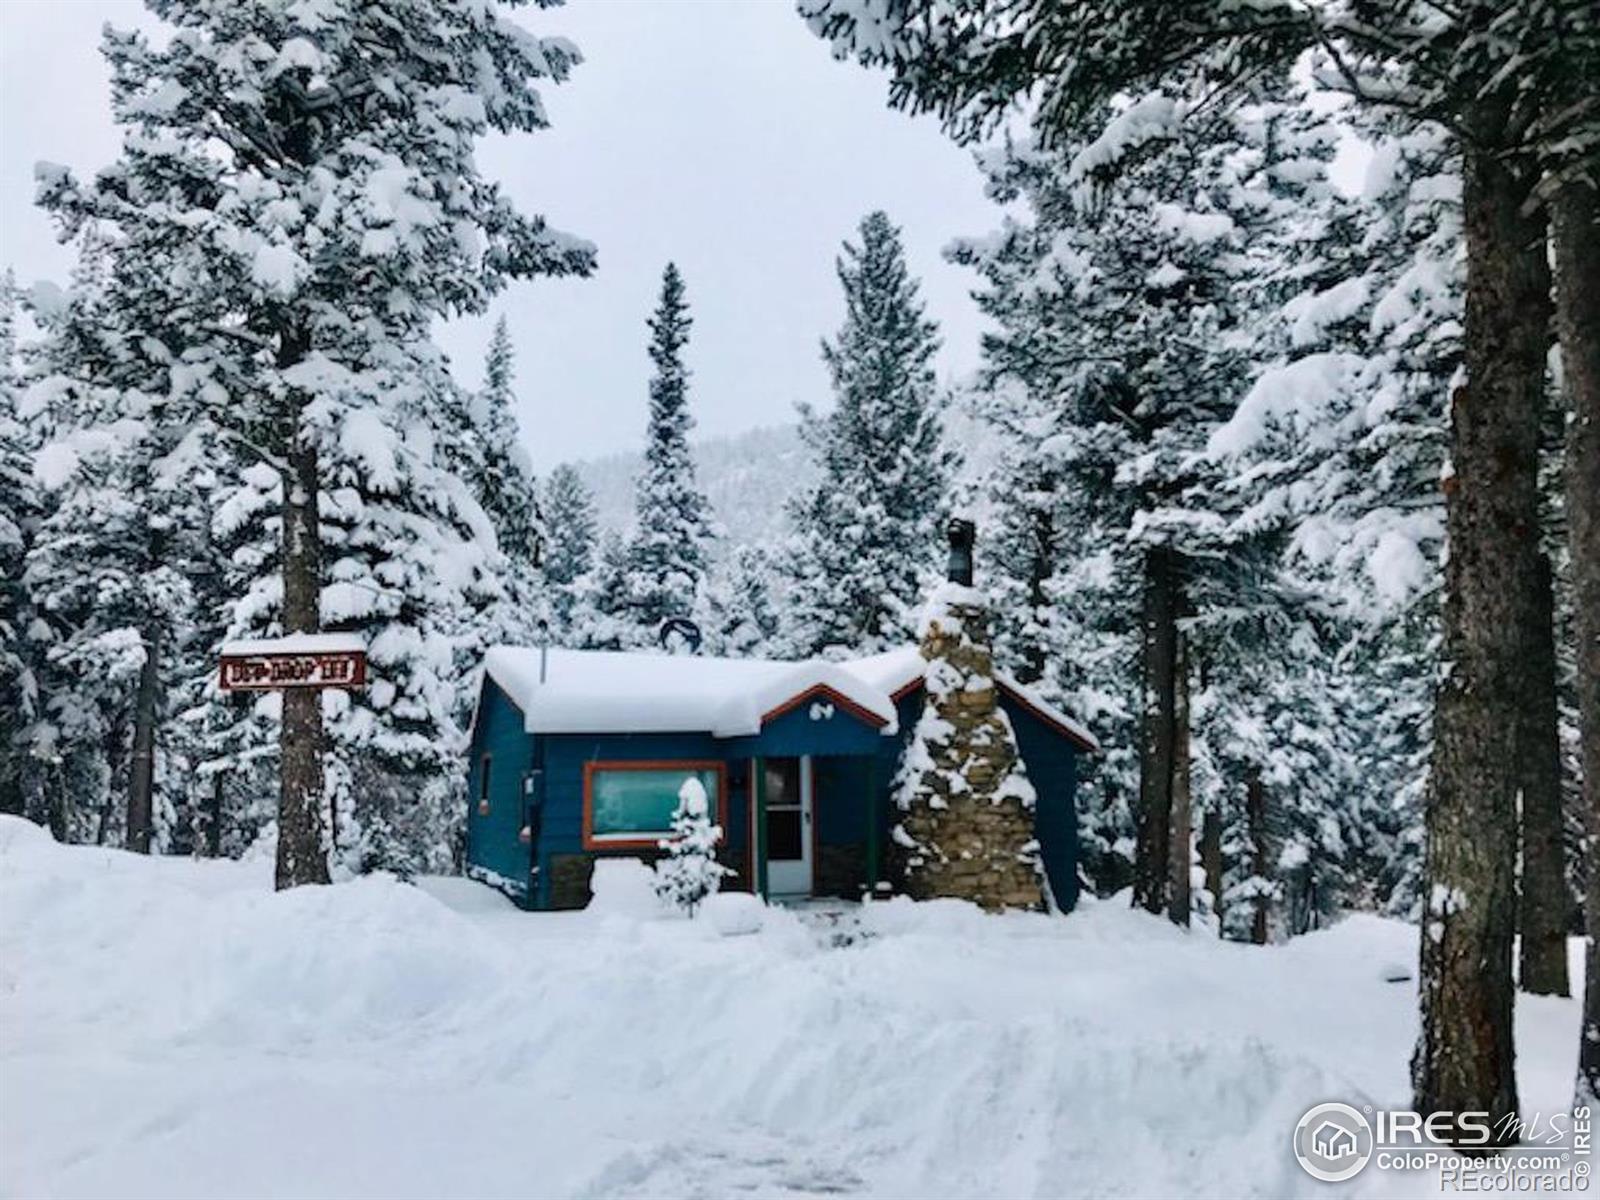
[173,1028]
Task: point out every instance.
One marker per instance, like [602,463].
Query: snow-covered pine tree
[689,871]
[600,615]
[866,536]
[128,476]
[669,550]
[19,511]
[347,215]
[502,480]
[571,542]
[740,618]
[1339,445]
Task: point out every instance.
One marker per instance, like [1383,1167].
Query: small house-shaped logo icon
[1333,1142]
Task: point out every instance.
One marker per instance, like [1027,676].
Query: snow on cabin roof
[897,671]
[605,691]
[298,643]
[609,691]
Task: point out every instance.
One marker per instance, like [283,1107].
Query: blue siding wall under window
[494,849]
[564,758]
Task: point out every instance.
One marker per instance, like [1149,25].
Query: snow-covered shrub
[690,872]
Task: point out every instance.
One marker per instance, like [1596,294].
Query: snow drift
[173,1028]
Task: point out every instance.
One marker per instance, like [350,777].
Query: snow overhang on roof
[610,691]
[602,691]
[898,672]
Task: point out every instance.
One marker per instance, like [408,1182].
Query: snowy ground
[171,1028]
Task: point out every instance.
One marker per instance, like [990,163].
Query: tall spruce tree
[866,536]
[741,618]
[1339,445]
[504,481]
[19,512]
[347,215]
[571,538]
[669,550]
[128,473]
[600,617]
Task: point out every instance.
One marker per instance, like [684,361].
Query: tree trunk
[1576,219]
[302,857]
[1040,567]
[1464,1061]
[1180,852]
[1260,860]
[1211,859]
[60,816]
[116,741]
[214,823]
[142,775]
[1159,652]
[1543,908]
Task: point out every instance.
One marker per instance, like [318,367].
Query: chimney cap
[961,534]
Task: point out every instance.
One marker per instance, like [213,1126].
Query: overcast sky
[717,133]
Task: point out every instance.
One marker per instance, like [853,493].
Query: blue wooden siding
[493,845]
[841,800]
[561,832]
[796,732]
[1052,764]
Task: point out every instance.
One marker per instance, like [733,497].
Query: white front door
[786,788]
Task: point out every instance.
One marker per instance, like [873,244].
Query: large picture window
[631,803]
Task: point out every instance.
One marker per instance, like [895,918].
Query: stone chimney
[966,829]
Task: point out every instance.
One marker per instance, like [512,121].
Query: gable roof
[900,672]
[607,691]
[612,691]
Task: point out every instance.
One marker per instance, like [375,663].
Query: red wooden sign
[305,661]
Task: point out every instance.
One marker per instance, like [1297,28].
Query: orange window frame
[592,841]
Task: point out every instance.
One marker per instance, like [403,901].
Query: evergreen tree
[128,477]
[690,872]
[741,620]
[313,259]
[601,618]
[19,512]
[1339,445]
[866,536]
[668,553]
[571,533]
[1125,314]
[503,480]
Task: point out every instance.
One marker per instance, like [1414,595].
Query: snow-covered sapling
[690,872]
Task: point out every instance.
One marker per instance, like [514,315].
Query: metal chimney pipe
[961,534]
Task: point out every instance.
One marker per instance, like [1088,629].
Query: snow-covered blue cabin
[583,756]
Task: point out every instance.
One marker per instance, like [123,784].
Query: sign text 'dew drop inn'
[316,660]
